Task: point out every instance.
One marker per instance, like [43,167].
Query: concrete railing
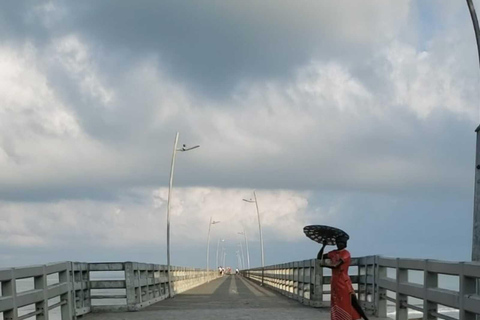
[382,283]
[78,288]
[143,284]
[304,281]
[398,285]
[12,301]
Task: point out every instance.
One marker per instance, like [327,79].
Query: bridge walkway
[227,298]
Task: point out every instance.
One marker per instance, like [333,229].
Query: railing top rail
[24,272]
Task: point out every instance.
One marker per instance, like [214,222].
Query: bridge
[386,287]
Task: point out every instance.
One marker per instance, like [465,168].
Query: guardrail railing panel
[381,279]
[33,301]
[403,282]
[142,284]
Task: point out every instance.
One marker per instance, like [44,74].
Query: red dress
[341,288]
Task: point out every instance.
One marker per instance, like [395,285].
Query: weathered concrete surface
[227,298]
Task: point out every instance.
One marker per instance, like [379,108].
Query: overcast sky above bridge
[356,114]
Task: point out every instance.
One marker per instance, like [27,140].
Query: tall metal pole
[216,261]
[261,236]
[476,207]
[208,241]
[246,245]
[170,293]
[222,262]
[239,261]
[243,255]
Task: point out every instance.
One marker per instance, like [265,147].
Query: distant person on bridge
[344,303]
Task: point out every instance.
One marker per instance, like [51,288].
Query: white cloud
[127,224]
[78,63]
[424,83]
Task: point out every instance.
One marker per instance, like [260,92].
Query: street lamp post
[244,233]
[476,207]
[260,230]
[218,245]
[184,148]
[476,201]
[242,254]
[239,260]
[208,240]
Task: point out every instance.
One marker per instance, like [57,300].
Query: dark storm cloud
[208,44]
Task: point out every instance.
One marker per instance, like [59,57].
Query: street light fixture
[208,240]
[246,245]
[184,148]
[260,230]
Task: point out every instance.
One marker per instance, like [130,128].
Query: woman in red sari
[344,303]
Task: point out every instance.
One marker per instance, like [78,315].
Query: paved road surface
[227,298]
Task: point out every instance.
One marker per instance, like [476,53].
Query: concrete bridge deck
[227,298]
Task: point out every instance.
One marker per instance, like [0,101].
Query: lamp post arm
[188,149]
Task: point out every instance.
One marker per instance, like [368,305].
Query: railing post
[148,288]
[467,287]
[78,301]
[40,282]
[9,288]
[317,296]
[365,279]
[304,279]
[138,277]
[82,275]
[130,286]
[401,299]
[164,280]
[294,280]
[430,280]
[67,309]
[380,293]
[371,271]
[73,293]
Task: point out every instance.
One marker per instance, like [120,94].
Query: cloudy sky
[355,114]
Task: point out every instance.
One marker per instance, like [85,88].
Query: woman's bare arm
[320,254]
